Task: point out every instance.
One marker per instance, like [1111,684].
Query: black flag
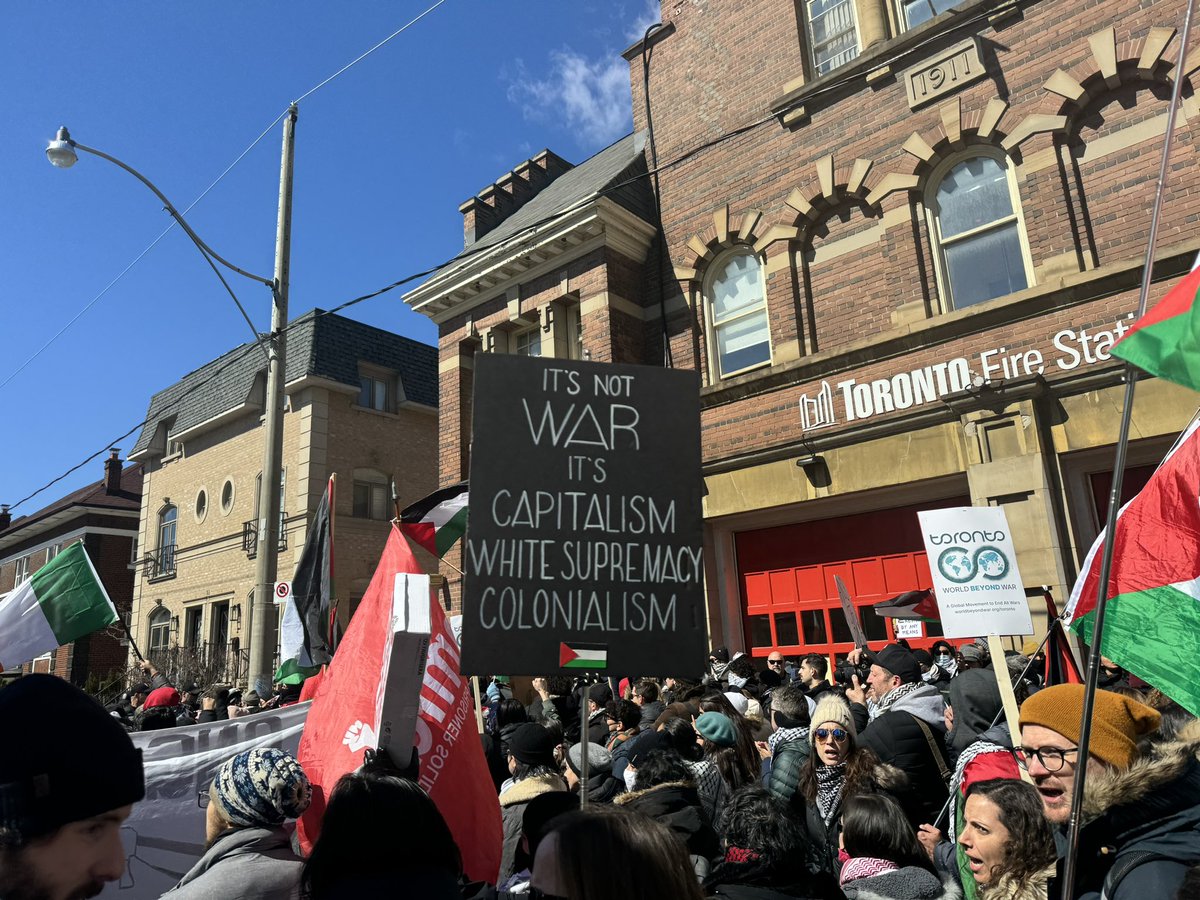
[313,585]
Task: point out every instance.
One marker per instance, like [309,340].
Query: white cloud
[651,13]
[592,96]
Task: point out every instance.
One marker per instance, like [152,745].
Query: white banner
[164,836]
[975,577]
[907,628]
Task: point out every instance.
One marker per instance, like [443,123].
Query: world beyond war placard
[584,536]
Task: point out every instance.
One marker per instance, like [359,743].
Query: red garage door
[790,598]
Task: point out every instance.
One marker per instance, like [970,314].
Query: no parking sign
[283,592]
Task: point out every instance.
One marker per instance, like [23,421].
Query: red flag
[340,724]
[453,769]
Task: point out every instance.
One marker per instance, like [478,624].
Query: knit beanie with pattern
[260,788]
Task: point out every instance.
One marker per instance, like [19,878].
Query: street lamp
[63,153]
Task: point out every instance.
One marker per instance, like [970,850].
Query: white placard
[456,628]
[907,628]
[975,576]
[283,591]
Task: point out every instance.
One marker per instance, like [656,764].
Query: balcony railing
[250,535]
[160,563]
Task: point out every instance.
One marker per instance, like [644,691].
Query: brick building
[361,403]
[104,516]
[898,238]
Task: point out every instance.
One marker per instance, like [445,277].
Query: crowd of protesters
[897,779]
[154,703]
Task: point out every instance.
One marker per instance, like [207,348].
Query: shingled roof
[319,344]
[93,497]
[609,168]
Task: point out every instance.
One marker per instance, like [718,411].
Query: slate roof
[319,344]
[92,496]
[613,165]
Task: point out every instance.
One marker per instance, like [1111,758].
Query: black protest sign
[583,546]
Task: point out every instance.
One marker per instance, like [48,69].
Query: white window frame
[21,572]
[716,374]
[945,289]
[163,625]
[902,14]
[818,71]
[526,335]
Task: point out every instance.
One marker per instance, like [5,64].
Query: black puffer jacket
[897,738]
[1143,830]
[677,805]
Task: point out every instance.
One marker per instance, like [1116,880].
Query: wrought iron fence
[159,563]
[250,535]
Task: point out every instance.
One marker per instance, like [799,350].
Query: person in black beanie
[534,772]
[69,776]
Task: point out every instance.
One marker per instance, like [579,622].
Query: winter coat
[602,787]
[650,712]
[249,863]
[677,805]
[786,765]
[1143,822]
[909,883]
[621,748]
[156,717]
[597,728]
[897,739]
[711,787]
[823,839]
[1005,889]
[512,809]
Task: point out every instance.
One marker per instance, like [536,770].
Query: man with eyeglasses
[1143,810]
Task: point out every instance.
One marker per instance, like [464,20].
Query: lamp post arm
[269,282]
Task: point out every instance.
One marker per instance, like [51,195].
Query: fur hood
[528,788]
[1004,888]
[1158,766]
[909,883]
[634,795]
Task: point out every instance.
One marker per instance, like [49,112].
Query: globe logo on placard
[991,563]
[956,565]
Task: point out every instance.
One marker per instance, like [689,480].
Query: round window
[227,496]
[201,505]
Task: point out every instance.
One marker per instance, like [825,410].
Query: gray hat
[599,759]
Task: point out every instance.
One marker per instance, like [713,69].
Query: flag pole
[1071,863]
[585,745]
[333,603]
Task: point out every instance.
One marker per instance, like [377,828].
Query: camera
[844,672]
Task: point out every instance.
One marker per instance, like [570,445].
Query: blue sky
[385,153]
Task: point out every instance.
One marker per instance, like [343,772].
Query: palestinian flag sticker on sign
[583,656]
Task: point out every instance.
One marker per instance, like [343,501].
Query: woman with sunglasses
[837,770]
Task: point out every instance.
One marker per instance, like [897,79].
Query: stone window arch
[736,298]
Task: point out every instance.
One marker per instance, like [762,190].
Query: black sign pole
[585,745]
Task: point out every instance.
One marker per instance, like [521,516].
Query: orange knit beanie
[1117,721]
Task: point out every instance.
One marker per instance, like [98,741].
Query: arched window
[739,338]
[160,629]
[975,220]
[167,518]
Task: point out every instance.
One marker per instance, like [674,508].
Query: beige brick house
[361,403]
[897,239]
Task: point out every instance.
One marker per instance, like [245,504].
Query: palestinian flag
[438,521]
[920,605]
[1166,340]
[61,602]
[1152,621]
[592,657]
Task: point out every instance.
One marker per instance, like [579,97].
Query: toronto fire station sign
[852,400]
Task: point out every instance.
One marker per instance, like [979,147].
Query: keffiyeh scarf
[830,781]
[889,699]
[865,867]
[783,735]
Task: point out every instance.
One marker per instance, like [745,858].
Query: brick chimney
[112,472]
[5,517]
[490,207]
